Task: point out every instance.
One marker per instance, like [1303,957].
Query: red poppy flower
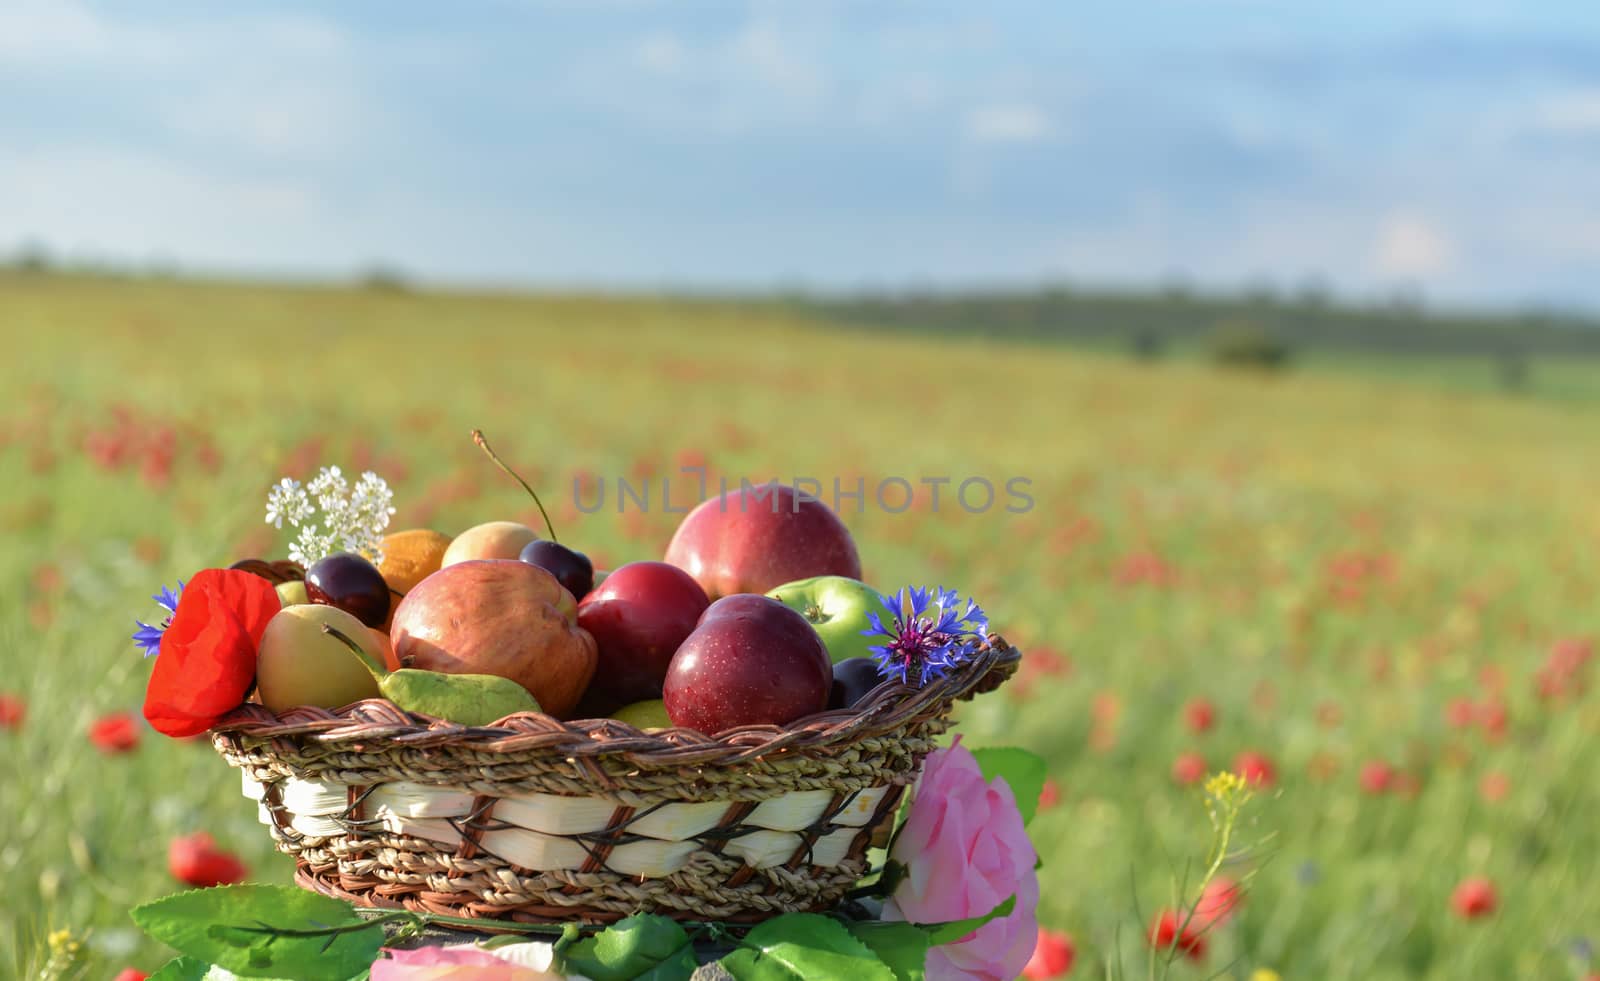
[1494,786]
[208,654]
[1256,769]
[130,974]
[1376,777]
[115,733]
[1188,768]
[1169,931]
[196,860]
[1220,899]
[12,711]
[1474,898]
[1049,795]
[1053,956]
[1200,715]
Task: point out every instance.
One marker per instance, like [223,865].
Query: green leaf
[902,946]
[804,947]
[948,933]
[641,946]
[265,931]
[182,969]
[1023,772]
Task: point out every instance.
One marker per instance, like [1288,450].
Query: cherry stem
[483,444]
[379,670]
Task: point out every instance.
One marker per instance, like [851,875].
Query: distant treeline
[1148,323]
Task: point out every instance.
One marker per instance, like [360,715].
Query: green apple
[293,592]
[651,714]
[837,608]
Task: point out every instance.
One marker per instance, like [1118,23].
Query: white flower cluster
[353,519]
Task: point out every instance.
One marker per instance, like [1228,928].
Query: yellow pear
[299,664]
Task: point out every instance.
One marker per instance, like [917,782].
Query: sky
[1448,148]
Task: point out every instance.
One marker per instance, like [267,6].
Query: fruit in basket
[470,699]
[293,592]
[853,679]
[490,540]
[837,608]
[651,714]
[572,569]
[639,616]
[298,663]
[751,540]
[411,556]
[385,648]
[350,582]
[500,617]
[751,661]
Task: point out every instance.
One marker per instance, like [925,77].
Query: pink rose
[532,961]
[966,852]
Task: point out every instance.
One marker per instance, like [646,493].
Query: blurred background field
[1349,568]
[1291,322]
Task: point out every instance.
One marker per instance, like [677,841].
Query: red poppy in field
[1200,715]
[1049,795]
[1188,768]
[1053,956]
[1495,718]
[1494,786]
[1219,900]
[208,653]
[1474,898]
[196,860]
[115,733]
[12,711]
[1170,931]
[1407,785]
[1460,712]
[130,974]
[1376,777]
[1256,769]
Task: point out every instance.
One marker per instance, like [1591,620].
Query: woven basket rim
[377,722]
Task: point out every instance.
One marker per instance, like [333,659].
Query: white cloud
[1569,112]
[134,204]
[663,53]
[1409,246]
[1018,123]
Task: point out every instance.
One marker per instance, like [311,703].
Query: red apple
[638,616]
[751,661]
[498,616]
[752,540]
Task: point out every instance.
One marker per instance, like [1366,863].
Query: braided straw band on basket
[536,820]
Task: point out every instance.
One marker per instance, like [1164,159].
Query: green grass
[1252,491]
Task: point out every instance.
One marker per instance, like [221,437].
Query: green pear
[293,593]
[644,716]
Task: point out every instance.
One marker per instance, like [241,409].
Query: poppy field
[1371,596]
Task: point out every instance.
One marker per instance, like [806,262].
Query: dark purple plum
[853,678]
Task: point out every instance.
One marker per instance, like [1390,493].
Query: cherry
[354,585]
[572,569]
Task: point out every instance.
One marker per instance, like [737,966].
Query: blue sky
[1447,147]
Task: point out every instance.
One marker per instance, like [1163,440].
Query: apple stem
[378,670]
[483,444]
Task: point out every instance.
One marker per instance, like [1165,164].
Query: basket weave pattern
[538,820]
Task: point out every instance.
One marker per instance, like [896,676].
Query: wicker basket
[537,820]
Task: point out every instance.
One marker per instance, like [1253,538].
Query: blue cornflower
[148,637]
[928,634]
